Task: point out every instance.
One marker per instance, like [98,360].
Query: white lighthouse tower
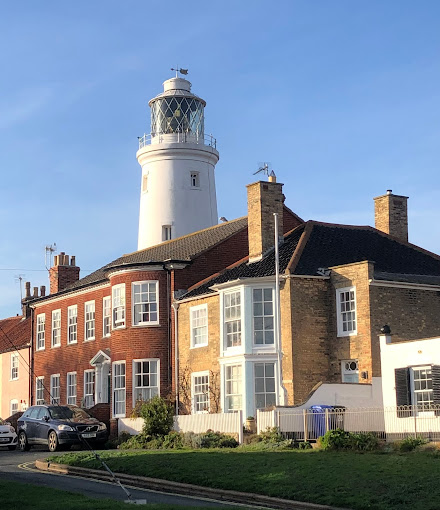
[178,160]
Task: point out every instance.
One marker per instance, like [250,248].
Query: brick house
[15,343]
[107,339]
[339,284]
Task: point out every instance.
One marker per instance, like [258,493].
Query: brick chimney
[264,199]
[391,215]
[63,272]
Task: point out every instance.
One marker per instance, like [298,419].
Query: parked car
[59,427]
[8,437]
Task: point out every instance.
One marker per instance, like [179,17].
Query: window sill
[40,349]
[198,346]
[55,346]
[15,379]
[146,325]
[72,343]
[345,334]
[105,336]
[118,327]
[89,339]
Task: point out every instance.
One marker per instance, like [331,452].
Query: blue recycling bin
[317,419]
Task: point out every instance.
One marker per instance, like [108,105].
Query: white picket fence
[387,423]
[227,423]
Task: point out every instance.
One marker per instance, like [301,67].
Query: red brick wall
[129,343]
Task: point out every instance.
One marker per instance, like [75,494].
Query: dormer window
[195,180]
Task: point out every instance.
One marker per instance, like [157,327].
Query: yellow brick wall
[199,359]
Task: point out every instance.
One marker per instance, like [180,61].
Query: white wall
[404,354]
[169,199]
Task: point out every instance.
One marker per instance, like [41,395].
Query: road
[19,466]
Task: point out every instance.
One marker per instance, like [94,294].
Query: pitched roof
[15,333]
[314,245]
[183,249]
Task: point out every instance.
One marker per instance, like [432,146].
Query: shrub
[271,435]
[411,443]
[304,445]
[173,441]
[158,417]
[364,441]
[336,439]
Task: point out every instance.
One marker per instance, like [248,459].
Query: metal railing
[150,139]
[389,423]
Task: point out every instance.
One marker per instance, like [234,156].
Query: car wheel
[52,441]
[12,447]
[23,442]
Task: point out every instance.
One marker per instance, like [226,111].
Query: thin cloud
[25,105]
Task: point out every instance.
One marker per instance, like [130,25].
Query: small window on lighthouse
[144,183]
[195,180]
[166,232]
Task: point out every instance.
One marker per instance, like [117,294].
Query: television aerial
[264,168]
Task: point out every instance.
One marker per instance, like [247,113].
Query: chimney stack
[63,273]
[391,215]
[264,199]
[25,308]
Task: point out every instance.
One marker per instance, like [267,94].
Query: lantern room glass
[177,115]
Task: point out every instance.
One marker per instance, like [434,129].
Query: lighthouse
[178,161]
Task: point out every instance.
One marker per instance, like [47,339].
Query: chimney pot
[27,287]
[35,292]
[43,290]
[389,191]
[73,260]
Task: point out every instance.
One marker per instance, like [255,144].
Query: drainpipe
[31,360]
[278,311]
[176,355]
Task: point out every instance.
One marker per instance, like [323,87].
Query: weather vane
[179,70]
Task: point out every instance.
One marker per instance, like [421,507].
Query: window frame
[264,378]
[12,402]
[194,179]
[15,357]
[121,388]
[55,331]
[89,320]
[192,319]
[120,324]
[133,304]
[39,387]
[86,382]
[167,233]
[41,332]
[227,395]
[238,320]
[345,372]
[194,401]
[420,408]
[340,321]
[264,345]
[69,386]
[56,400]
[72,328]
[136,373]
[106,306]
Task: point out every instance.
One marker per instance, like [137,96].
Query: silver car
[8,437]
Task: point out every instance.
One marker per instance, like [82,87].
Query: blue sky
[341,97]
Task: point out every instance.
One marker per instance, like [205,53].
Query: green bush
[364,441]
[271,435]
[336,439]
[173,441]
[158,416]
[304,445]
[411,443]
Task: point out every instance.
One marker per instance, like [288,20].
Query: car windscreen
[2,422]
[68,413]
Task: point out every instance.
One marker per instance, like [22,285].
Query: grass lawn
[358,481]
[20,496]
